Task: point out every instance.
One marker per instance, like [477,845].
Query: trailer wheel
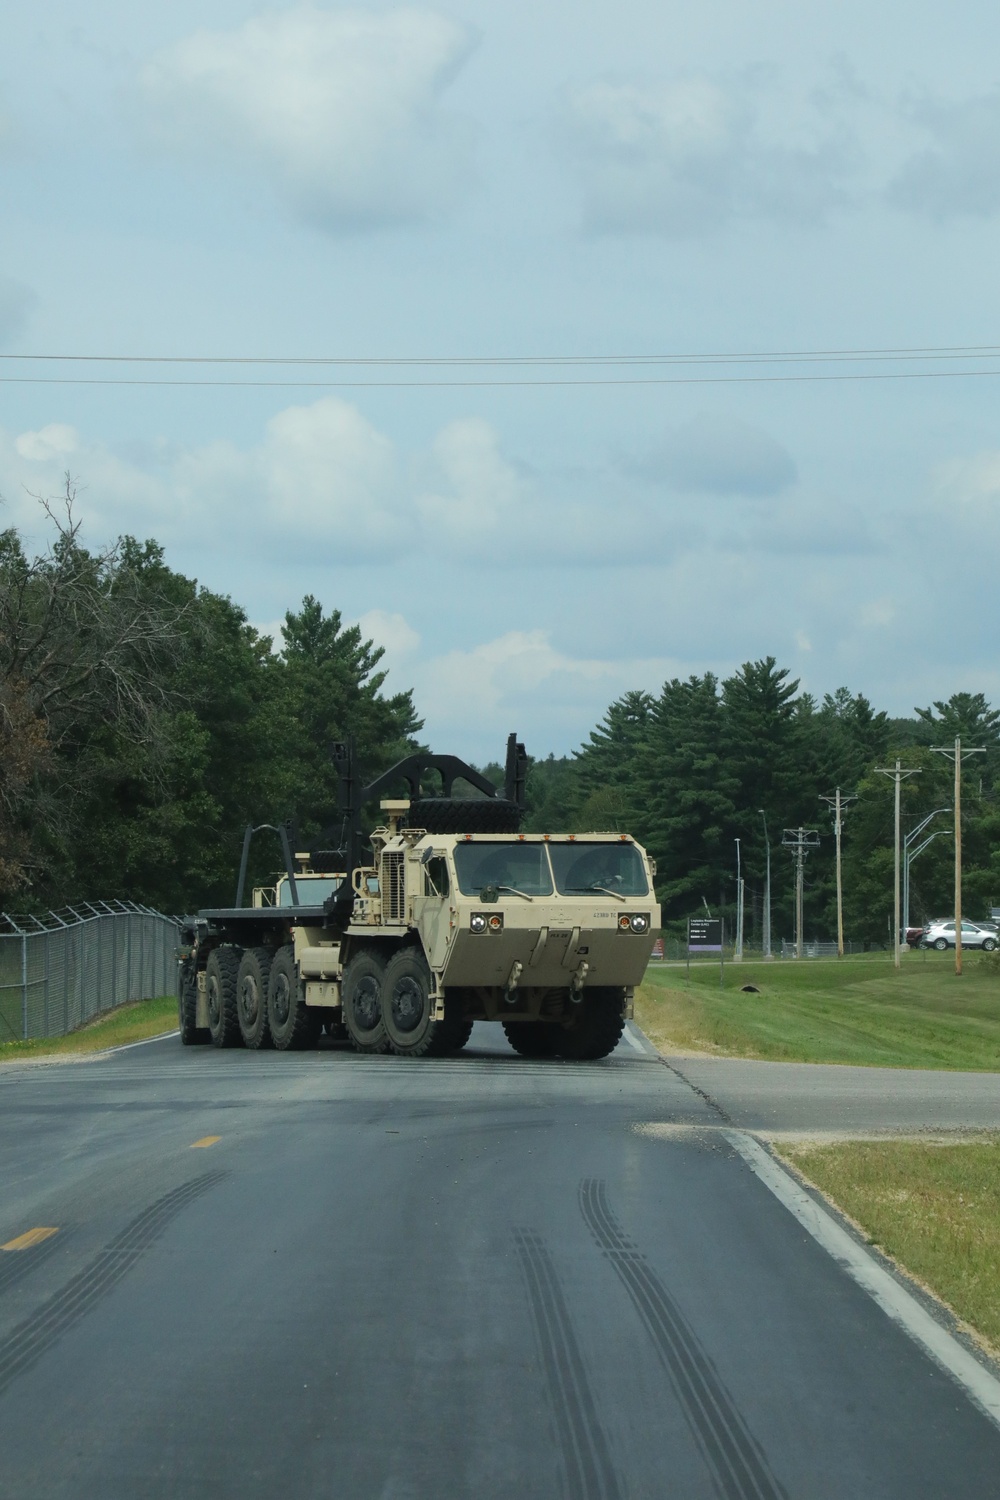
[597,1028]
[192,1035]
[532,1038]
[361,1000]
[251,998]
[220,991]
[406,1007]
[293,1024]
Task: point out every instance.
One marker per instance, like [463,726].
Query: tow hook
[576,986]
[510,989]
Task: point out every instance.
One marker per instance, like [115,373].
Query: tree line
[707,762]
[144,721]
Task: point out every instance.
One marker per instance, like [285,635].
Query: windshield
[518,867]
[581,868]
[312,889]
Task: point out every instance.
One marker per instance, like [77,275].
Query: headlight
[495,922]
[637,922]
[477,922]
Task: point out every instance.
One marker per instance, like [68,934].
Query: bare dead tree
[84,639]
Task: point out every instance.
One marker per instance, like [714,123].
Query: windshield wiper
[515,892]
[603,890]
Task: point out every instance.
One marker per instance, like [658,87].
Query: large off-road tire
[597,1027]
[220,991]
[192,1035]
[361,1000]
[464,815]
[251,998]
[532,1038]
[293,1024]
[458,1034]
[407,1009]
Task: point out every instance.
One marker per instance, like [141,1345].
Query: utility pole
[910,854]
[738,955]
[838,803]
[799,841]
[956,755]
[898,775]
[767,891]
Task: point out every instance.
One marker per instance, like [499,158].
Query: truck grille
[392,884]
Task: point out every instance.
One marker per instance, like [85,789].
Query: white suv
[941,935]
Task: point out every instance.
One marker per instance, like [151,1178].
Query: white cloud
[339,109]
[521,680]
[56,441]
[393,632]
[958,171]
[686,156]
[322,476]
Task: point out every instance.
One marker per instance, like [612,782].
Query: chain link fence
[63,968]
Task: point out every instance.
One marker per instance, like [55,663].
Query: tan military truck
[442,925]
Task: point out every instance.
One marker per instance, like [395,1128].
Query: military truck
[450,915]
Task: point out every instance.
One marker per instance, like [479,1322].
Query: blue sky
[508,180]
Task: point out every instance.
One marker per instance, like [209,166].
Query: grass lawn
[852,1010]
[934,1208]
[129,1023]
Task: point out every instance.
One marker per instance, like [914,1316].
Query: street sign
[704,935]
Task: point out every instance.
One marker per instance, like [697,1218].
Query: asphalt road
[406,1281]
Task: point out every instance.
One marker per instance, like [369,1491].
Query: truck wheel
[406,1007]
[220,991]
[192,1035]
[251,998]
[458,1035]
[361,1000]
[598,1026]
[531,1038]
[293,1025]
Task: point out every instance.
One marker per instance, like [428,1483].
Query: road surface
[320,1274]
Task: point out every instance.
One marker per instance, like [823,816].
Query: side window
[436,876]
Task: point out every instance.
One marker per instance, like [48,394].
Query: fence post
[24,985]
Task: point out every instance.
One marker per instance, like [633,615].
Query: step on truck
[448,914]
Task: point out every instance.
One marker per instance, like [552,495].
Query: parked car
[941,935]
[913,936]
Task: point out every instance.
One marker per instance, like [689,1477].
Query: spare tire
[465,815]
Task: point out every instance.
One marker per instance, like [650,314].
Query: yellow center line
[206,1140]
[29,1238]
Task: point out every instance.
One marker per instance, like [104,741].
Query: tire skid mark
[589,1468]
[29,1341]
[732,1454]
[21,1262]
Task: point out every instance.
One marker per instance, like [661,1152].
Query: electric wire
[605,369]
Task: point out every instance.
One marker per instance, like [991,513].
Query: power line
[481,384]
[920,352]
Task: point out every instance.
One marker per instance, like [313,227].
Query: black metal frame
[410,770]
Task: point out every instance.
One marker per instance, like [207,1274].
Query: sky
[573,189]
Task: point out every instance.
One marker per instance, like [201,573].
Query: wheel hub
[281,999]
[407,1003]
[367,1010]
[249,1000]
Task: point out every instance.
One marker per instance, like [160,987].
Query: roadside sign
[704,934]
